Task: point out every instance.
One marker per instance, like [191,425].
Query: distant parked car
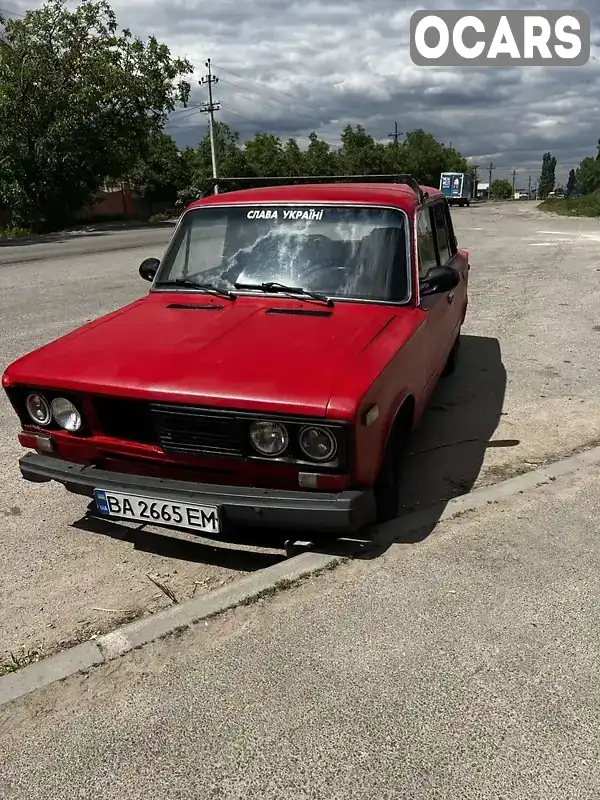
[291,339]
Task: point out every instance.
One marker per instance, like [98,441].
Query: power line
[256,121]
[269,90]
[237,113]
[230,110]
[266,88]
[209,108]
[192,108]
[269,100]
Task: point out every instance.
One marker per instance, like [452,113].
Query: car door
[436,246]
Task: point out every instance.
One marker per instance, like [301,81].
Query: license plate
[152,510]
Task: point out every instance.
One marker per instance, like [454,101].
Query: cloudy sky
[293,66]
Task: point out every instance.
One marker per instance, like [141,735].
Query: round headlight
[65,413]
[317,443]
[268,438]
[38,409]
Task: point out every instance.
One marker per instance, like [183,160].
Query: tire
[387,485]
[452,361]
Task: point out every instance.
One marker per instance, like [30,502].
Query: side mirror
[439,280]
[148,268]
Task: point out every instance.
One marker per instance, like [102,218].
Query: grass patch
[280,586]
[586,206]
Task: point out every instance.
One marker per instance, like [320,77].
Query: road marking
[593,237]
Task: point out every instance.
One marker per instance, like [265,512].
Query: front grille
[185,429]
[129,420]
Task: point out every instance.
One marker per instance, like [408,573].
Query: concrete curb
[133,635]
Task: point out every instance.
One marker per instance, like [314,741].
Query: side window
[425,242]
[442,232]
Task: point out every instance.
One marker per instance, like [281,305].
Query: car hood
[207,350]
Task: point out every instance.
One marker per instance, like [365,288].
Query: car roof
[399,195]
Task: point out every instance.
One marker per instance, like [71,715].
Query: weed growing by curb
[17,662]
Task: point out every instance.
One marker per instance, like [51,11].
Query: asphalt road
[465,667]
[83,242]
[525,391]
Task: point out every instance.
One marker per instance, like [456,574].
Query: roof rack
[402,178]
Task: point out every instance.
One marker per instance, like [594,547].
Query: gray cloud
[293,66]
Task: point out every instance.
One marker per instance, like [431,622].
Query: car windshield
[349,251]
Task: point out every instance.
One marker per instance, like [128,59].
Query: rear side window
[442,233]
[425,242]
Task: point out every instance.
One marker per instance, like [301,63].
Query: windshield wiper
[203,287]
[271,286]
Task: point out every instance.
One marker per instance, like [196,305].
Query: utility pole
[514,177]
[491,168]
[529,189]
[395,134]
[210,108]
[475,168]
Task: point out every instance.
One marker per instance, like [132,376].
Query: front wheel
[387,485]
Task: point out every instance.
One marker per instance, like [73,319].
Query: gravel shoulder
[525,392]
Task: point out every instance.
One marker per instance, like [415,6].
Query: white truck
[457,187]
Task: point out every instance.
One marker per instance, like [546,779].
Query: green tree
[264,155]
[161,171]
[319,158]
[78,102]
[548,175]
[587,175]
[360,154]
[421,155]
[571,182]
[501,188]
[293,158]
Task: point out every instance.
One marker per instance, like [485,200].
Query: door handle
[450,297]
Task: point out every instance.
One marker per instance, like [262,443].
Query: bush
[588,205]
[162,217]
[15,233]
